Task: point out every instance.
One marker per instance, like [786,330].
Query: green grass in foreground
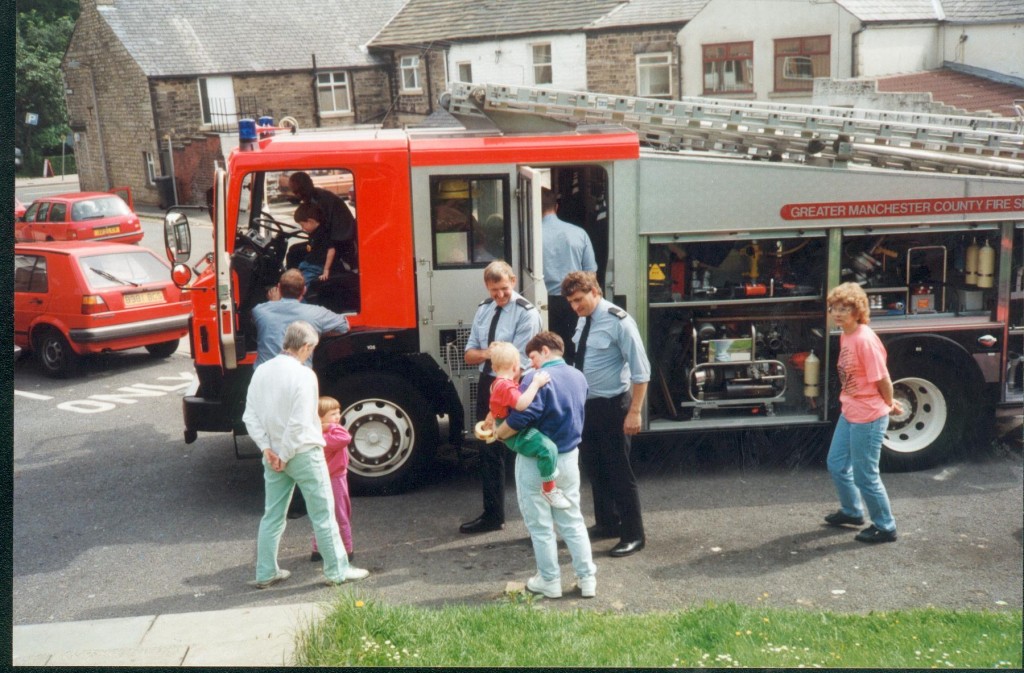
[523,632]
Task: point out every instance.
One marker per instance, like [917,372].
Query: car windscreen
[99,207]
[123,269]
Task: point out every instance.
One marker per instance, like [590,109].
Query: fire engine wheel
[54,353]
[394,435]
[929,428]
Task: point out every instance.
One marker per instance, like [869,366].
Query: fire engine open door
[531,243]
[222,260]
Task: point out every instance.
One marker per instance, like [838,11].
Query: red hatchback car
[81,216]
[72,299]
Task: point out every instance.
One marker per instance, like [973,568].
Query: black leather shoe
[839,518]
[315,556]
[481,524]
[625,548]
[874,535]
[601,532]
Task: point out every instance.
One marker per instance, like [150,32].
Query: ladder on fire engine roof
[816,135]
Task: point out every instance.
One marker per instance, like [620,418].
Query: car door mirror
[177,237]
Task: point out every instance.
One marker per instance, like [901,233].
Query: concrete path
[259,636]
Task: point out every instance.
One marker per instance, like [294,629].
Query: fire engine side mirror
[177,238]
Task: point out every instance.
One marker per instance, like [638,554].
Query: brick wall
[611,58]
[109,109]
[370,91]
[193,167]
[179,112]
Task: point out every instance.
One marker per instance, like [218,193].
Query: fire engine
[719,225]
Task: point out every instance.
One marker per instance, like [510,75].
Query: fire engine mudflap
[723,249]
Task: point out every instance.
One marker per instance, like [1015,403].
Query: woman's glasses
[840,310]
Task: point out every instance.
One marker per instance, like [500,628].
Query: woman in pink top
[336,454]
[867,400]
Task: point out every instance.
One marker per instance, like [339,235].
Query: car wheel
[163,349]
[55,354]
[394,434]
[931,425]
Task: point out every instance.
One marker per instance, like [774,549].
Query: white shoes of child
[556,498]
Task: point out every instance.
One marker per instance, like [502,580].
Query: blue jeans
[310,272]
[542,520]
[309,471]
[853,464]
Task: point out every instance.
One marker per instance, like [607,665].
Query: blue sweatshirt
[557,410]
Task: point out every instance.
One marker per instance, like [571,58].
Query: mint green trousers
[308,470]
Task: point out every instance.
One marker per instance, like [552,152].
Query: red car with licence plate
[81,216]
[73,299]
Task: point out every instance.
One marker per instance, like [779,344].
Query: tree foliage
[42,33]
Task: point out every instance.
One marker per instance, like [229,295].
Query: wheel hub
[923,419]
[382,436]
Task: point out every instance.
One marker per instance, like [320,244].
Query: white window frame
[336,81]
[217,88]
[410,65]
[468,65]
[654,61]
[539,66]
[147,158]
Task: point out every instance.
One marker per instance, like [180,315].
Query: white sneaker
[550,588]
[556,498]
[281,576]
[352,574]
[587,585]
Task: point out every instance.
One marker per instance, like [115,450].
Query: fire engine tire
[394,434]
[164,349]
[54,353]
[931,425]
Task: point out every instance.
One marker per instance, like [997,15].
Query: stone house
[151,86]
[612,46]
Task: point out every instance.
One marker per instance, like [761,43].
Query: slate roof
[423,22]
[975,11]
[190,37]
[650,12]
[956,11]
[960,90]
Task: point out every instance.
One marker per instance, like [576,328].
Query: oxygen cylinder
[812,365]
[971,263]
[986,265]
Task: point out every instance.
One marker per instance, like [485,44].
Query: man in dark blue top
[557,411]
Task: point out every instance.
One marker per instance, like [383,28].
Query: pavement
[254,636]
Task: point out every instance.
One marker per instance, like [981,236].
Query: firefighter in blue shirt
[611,356]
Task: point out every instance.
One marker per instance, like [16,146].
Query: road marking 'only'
[95,404]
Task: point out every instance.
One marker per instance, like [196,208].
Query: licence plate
[140,298]
[106,231]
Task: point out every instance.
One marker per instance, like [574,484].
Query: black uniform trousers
[492,458]
[562,321]
[604,453]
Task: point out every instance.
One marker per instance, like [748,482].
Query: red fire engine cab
[722,239]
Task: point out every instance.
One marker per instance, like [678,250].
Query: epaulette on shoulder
[489,300]
[522,301]
[618,312]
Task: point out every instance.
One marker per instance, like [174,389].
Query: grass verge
[521,631]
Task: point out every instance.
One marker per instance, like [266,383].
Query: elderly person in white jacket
[281,416]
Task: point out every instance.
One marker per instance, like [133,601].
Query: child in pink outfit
[336,454]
